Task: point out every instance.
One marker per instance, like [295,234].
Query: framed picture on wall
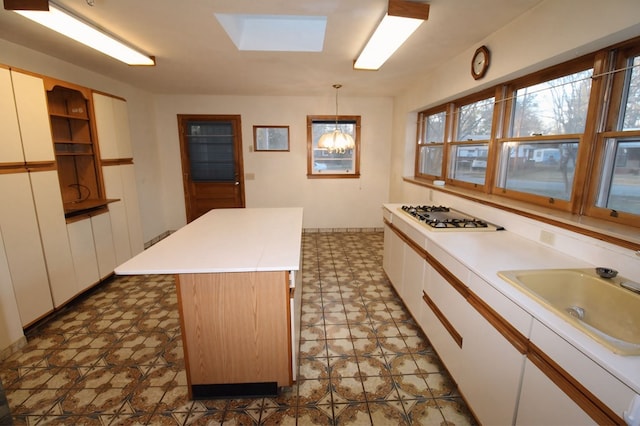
[271,138]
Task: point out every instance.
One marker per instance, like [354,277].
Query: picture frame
[271,138]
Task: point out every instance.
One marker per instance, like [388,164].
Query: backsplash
[592,250]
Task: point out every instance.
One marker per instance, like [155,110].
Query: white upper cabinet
[33,116]
[11,146]
[112,123]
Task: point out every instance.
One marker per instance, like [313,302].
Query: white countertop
[486,253]
[226,240]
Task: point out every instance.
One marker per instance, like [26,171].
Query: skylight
[280,33]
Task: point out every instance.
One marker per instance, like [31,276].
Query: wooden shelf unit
[75,146]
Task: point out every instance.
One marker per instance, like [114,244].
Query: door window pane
[555,107]
[631,97]
[620,186]
[539,168]
[469,162]
[211,156]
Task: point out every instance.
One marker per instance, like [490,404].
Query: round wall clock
[480,62]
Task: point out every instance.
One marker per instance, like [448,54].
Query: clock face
[480,62]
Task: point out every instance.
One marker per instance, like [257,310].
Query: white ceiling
[194,55]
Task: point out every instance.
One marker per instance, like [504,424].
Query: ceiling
[194,55]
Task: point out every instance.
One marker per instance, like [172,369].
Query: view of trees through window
[545,126]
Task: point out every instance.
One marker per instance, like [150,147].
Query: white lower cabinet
[53,233]
[25,258]
[393,258]
[83,250]
[119,181]
[92,248]
[413,277]
[543,403]
[103,240]
[491,371]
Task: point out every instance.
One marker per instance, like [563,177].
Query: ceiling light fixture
[401,20]
[65,23]
[336,141]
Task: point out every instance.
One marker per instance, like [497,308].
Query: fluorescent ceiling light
[275,33]
[401,20]
[70,26]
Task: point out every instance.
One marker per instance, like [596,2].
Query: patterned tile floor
[115,357]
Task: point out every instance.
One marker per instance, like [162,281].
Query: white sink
[601,308]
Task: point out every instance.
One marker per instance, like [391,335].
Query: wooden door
[211,150]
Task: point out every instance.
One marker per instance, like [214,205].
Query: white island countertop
[226,240]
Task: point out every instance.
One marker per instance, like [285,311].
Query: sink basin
[601,308]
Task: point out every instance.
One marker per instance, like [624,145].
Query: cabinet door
[53,231]
[543,403]
[112,122]
[21,237]
[106,126]
[393,258]
[11,146]
[452,307]
[118,211]
[413,276]
[132,206]
[123,134]
[103,240]
[33,116]
[120,184]
[11,330]
[490,361]
[83,251]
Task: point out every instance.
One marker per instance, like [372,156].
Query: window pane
[621,191]
[332,161]
[434,129]
[631,101]
[469,163]
[555,107]
[211,151]
[474,120]
[431,160]
[539,168]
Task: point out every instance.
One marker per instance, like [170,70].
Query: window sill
[620,235]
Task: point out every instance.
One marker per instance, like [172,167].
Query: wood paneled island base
[235,331]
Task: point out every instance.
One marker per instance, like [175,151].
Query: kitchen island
[236,273]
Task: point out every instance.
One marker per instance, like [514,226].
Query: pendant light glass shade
[336,140]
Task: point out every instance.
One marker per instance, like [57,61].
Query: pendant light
[336,140]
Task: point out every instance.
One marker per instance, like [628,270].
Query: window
[431,143]
[338,162]
[547,120]
[469,152]
[617,190]
[566,137]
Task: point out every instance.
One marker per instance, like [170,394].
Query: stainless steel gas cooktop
[440,218]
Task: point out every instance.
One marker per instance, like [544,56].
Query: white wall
[280,177]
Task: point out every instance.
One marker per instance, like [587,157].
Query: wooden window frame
[310,156]
[602,114]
